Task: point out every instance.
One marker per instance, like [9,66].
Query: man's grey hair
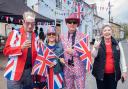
[29,14]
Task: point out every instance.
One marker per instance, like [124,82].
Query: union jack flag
[11,69]
[17,39]
[55,81]
[43,60]
[84,53]
[58,80]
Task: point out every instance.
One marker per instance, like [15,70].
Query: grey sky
[119,9]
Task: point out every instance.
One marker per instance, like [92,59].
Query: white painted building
[122,33]
[87,21]
[98,23]
[58,10]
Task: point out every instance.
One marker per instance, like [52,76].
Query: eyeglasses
[51,34]
[72,22]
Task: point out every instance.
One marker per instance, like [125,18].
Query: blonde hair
[104,26]
[29,14]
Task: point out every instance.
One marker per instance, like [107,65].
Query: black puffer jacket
[100,60]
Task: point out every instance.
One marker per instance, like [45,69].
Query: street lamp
[109,11]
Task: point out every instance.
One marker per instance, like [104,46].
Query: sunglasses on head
[72,22]
[51,34]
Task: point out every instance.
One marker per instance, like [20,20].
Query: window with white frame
[59,4]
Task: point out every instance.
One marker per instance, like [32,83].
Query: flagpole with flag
[84,52]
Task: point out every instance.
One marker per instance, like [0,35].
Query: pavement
[3,61]
[91,83]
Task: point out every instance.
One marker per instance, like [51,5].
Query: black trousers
[108,82]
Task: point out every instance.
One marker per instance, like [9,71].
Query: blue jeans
[24,83]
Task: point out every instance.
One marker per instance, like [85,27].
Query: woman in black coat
[106,67]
